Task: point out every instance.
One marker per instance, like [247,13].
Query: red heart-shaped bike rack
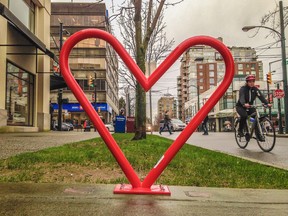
[145,187]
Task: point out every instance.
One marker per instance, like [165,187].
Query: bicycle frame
[251,128]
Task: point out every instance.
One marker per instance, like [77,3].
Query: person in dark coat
[167,122]
[247,96]
[204,126]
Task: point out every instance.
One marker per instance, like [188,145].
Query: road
[225,142]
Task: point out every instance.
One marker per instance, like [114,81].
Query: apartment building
[93,62]
[205,68]
[223,112]
[167,103]
[25,65]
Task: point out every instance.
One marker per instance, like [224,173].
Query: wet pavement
[84,199]
[225,142]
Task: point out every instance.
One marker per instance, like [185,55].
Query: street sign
[278,93]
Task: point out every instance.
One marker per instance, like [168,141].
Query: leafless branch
[173,3]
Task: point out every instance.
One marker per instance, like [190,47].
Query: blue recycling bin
[120,124]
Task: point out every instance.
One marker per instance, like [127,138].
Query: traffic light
[269,78]
[90,81]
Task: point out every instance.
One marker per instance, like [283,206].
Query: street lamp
[248,28]
[283,51]
[60,91]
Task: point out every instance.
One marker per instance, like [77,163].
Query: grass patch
[91,162]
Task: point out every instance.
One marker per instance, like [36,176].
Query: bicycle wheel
[267,141]
[241,141]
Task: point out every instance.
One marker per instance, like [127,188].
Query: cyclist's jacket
[248,95]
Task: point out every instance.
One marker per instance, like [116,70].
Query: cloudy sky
[216,18]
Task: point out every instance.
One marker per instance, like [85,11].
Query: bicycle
[263,128]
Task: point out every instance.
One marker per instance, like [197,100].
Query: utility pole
[95,85]
[284,68]
[279,113]
[198,98]
[60,91]
[150,96]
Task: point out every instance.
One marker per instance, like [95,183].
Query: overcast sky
[216,18]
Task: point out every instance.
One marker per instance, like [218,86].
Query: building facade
[93,62]
[25,65]
[205,68]
[167,103]
[224,110]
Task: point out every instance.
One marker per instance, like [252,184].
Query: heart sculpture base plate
[153,190]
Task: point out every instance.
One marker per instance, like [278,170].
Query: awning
[17,24]
[76,107]
[226,113]
[57,82]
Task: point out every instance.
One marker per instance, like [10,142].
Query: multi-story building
[223,112]
[93,62]
[24,65]
[182,85]
[206,68]
[167,103]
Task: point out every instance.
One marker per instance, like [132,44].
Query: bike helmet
[250,77]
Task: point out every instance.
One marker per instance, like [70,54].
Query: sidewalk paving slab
[86,199]
[15,143]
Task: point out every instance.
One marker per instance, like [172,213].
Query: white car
[175,125]
[109,127]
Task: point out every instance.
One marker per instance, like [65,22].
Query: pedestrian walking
[204,126]
[86,125]
[167,122]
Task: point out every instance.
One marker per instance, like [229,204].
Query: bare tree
[272,20]
[142,29]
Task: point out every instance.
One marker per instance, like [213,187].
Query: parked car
[70,125]
[64,127]
[175,125]
[109,127]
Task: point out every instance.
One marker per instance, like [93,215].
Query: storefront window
[24,10]
[19,96]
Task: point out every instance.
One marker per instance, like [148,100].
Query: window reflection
[19,96]
[24,10]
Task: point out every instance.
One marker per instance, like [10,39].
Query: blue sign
[76,107]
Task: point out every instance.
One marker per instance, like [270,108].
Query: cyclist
[247,95]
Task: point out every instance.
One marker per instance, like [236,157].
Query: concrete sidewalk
[84,199]
[15,143]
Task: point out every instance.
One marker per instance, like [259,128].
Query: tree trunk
[140,60]
[140,113]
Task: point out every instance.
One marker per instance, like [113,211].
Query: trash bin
[120,123]
[130,124]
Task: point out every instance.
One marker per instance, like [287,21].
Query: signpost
[278,93]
